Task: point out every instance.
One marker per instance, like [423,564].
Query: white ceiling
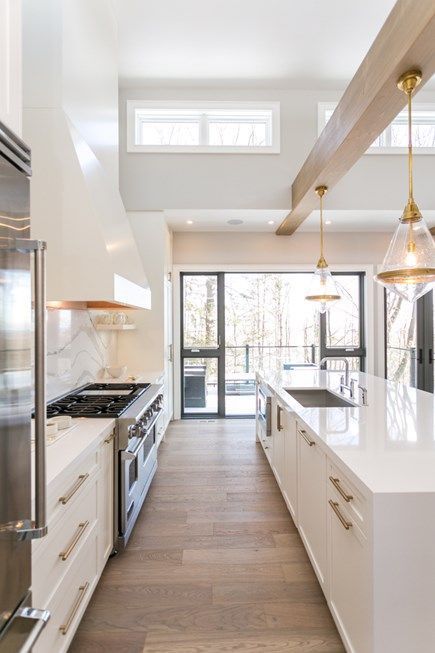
[257,220]
[281,43]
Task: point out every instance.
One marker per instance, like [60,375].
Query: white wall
[237,181]
[250,248]
[143,350]
[70,60]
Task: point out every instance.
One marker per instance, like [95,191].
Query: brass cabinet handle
[64,628]
[279,426]
[336,509]
[311,443]
[64,555]
[336,483]
[109,439]
[71,492]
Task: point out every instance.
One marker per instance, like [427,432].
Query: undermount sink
[318,398]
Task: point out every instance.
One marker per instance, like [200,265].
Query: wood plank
[212,557]
[369,104]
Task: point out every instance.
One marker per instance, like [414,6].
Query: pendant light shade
[322,289]
[408,268]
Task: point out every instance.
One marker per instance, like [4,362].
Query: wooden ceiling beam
[368,105]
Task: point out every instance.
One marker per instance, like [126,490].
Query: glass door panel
[200,385]
[200,311]
[268,325]
[401,339]
[343,319]
[342,327]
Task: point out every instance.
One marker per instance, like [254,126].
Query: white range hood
[92,258]
[70,121]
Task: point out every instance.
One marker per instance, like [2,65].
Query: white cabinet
[349,576]
[10,64]
[290,474]
[67,564]
[105,499]
[278,435]
[312,501]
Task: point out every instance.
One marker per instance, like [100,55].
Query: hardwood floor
[215,563]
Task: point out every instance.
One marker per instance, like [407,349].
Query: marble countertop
[74,443]
[133,377]
[388,445]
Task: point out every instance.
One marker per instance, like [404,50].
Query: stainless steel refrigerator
[22,386]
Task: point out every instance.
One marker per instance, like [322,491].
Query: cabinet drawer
[344,491]
[70,487]
[70,600]
[51,561]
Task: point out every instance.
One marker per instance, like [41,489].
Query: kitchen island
[359,482]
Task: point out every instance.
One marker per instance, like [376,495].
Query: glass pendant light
[408,268]
[322,287]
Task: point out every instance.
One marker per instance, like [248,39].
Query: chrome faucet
[345,384]
[338,358]
[344,380]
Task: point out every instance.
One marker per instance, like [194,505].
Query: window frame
[133,147]
[323,107]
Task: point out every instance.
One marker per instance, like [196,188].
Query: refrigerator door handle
[40,617]
[40,527]
[24,529]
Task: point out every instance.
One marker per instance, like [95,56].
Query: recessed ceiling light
[235,221]
[328,221]
[189,221]
[271,222]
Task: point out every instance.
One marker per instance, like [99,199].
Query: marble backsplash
[76,352]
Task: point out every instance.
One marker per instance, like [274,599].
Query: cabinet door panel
[10,64]
[278,444]
[348,578]
[290,475]
[312,502]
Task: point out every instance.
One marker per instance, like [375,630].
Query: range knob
[132,430]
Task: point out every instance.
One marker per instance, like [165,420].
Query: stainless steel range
[136,407]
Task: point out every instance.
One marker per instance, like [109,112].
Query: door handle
[25,529]
[40,528]
[420,356]
[430,355]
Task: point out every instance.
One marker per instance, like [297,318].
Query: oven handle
[132,455]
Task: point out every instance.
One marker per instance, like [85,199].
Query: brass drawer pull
[306,438]
[336,483]
[64,628]
[279,425]
[79,482]
[336,509]
[109,439]
[64,555]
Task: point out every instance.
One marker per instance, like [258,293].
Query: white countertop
[389,445]
[74,443]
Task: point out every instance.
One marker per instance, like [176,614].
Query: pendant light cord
[321,226]
[410,174]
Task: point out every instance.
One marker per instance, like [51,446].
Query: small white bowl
[115,371]
[62,421]
[51,427]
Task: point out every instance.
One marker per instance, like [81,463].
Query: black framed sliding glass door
[202,351]
[234,323]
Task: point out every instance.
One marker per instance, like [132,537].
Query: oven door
[137,467]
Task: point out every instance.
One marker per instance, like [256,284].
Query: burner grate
[79,404]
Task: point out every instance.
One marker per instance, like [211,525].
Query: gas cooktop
[97,400]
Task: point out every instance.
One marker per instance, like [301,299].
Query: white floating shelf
[115,327]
